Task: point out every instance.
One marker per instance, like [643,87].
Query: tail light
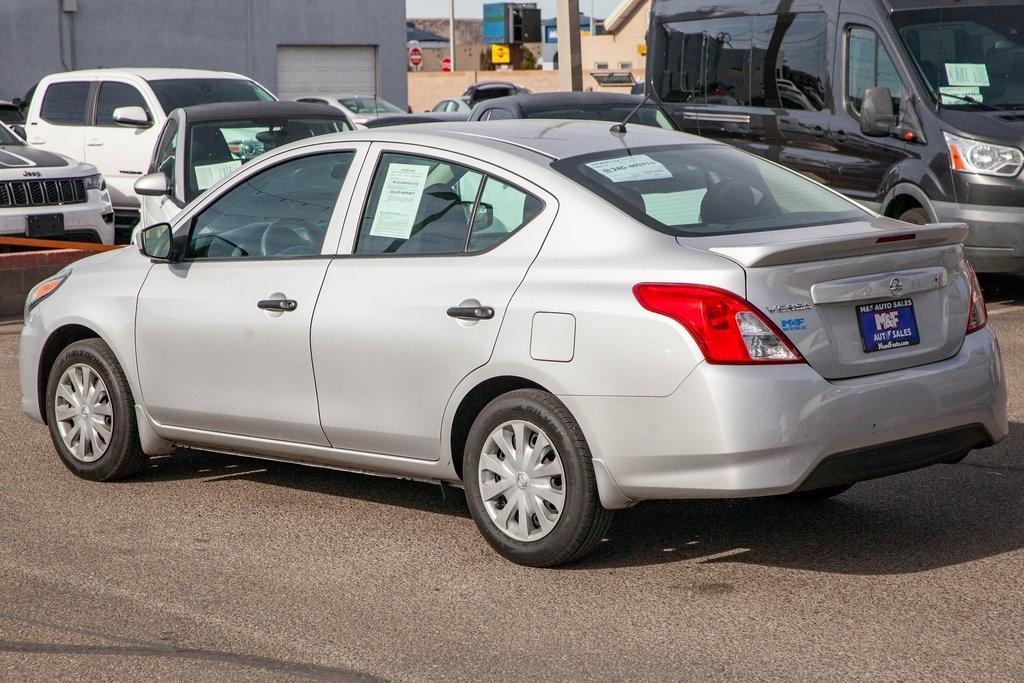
[728,329]
[977,318]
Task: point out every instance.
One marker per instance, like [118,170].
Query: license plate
[46,225]
[888,325]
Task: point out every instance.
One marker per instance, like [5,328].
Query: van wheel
[530,482]
[91,414]
[917,215]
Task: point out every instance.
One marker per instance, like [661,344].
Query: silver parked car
[563,319]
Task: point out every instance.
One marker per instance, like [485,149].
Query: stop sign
[415,56]
[446,64]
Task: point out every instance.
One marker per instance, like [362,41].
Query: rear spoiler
[860,243]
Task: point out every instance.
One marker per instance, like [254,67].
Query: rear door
[122,153]
[440,247]
[58,117]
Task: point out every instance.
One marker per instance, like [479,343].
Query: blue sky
[473,8]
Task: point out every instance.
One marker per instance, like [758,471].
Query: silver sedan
[562,319]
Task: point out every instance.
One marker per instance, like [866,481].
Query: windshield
[216,149]
[697,189]
[7,137]
[186,92]
[649,115]
[369,105]
[968,55]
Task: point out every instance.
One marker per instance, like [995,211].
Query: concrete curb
[21,271]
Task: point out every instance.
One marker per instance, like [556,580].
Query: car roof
[538,140]
[150,74]
[531,101]
[225,111]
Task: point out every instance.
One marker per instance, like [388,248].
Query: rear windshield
[693,190]
[648,115]
[186,92]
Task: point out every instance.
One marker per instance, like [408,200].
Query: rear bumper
[731,431]
[996,241]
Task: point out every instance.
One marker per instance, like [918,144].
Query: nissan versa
[563,319]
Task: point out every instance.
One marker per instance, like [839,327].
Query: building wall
[229,35]
[619,47]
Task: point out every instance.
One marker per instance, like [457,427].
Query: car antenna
[620,128]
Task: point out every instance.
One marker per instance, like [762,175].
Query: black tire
[817,495]
[123,456]
[917,216]
[583,521]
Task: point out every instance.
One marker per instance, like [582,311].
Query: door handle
[818,132]
[278,305]
[839,135]
[471,312]
[94,142]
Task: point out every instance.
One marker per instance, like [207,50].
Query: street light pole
[570,66]
[451,31]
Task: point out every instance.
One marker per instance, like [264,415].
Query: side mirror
[135,117]
[877,118]
[484,217]
[155,242]
[19,130]
[152,185]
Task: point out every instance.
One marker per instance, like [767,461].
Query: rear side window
[869,65]
[114,95]
[65,103]
[421,206]
[694,190]
[795,50]
[708,61]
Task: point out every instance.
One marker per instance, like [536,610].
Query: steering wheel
[290,237]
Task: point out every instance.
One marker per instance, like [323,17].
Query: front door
[122,153]
[58,125]
[223,336]
[441,247]
[861,163]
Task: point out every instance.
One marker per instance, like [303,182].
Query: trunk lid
[837,291]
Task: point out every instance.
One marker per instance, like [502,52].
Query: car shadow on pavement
[936,517]
[1002,289]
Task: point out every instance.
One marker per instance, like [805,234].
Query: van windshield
[968,56]
[698,189]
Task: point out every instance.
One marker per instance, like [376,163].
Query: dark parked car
[911,107]
[488,90]
[596,106]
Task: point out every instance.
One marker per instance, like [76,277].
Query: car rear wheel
[91,414]
[530,482]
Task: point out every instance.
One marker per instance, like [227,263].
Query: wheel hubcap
[84,415]
[522,482]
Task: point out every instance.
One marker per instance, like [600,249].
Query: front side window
[186,92]
[697,189]
[216,149]
[420,206]
[65,103]
[114,95]
[869,65]
[968,55]
[7,137]
[282,212]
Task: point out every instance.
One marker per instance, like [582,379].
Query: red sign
[415,56]
[446,64]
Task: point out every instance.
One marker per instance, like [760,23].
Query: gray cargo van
[914,108]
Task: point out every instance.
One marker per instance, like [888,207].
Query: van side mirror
[135,117]
[877,118]
[155,242]
[152,185]
[19,130]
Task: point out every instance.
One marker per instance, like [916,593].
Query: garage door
[328,69]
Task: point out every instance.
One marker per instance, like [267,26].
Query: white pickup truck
[111,118]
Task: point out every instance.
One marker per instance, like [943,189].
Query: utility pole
[451,32]
[592,18]
[570,65]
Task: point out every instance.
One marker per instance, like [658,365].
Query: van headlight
[44,289]
[95,182]
[974,156]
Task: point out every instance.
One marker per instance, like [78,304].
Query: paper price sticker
[630,169]
[399,201]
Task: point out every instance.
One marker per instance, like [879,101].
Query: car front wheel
[530,482]
[91,414]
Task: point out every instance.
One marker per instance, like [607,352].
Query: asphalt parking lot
[211,566]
